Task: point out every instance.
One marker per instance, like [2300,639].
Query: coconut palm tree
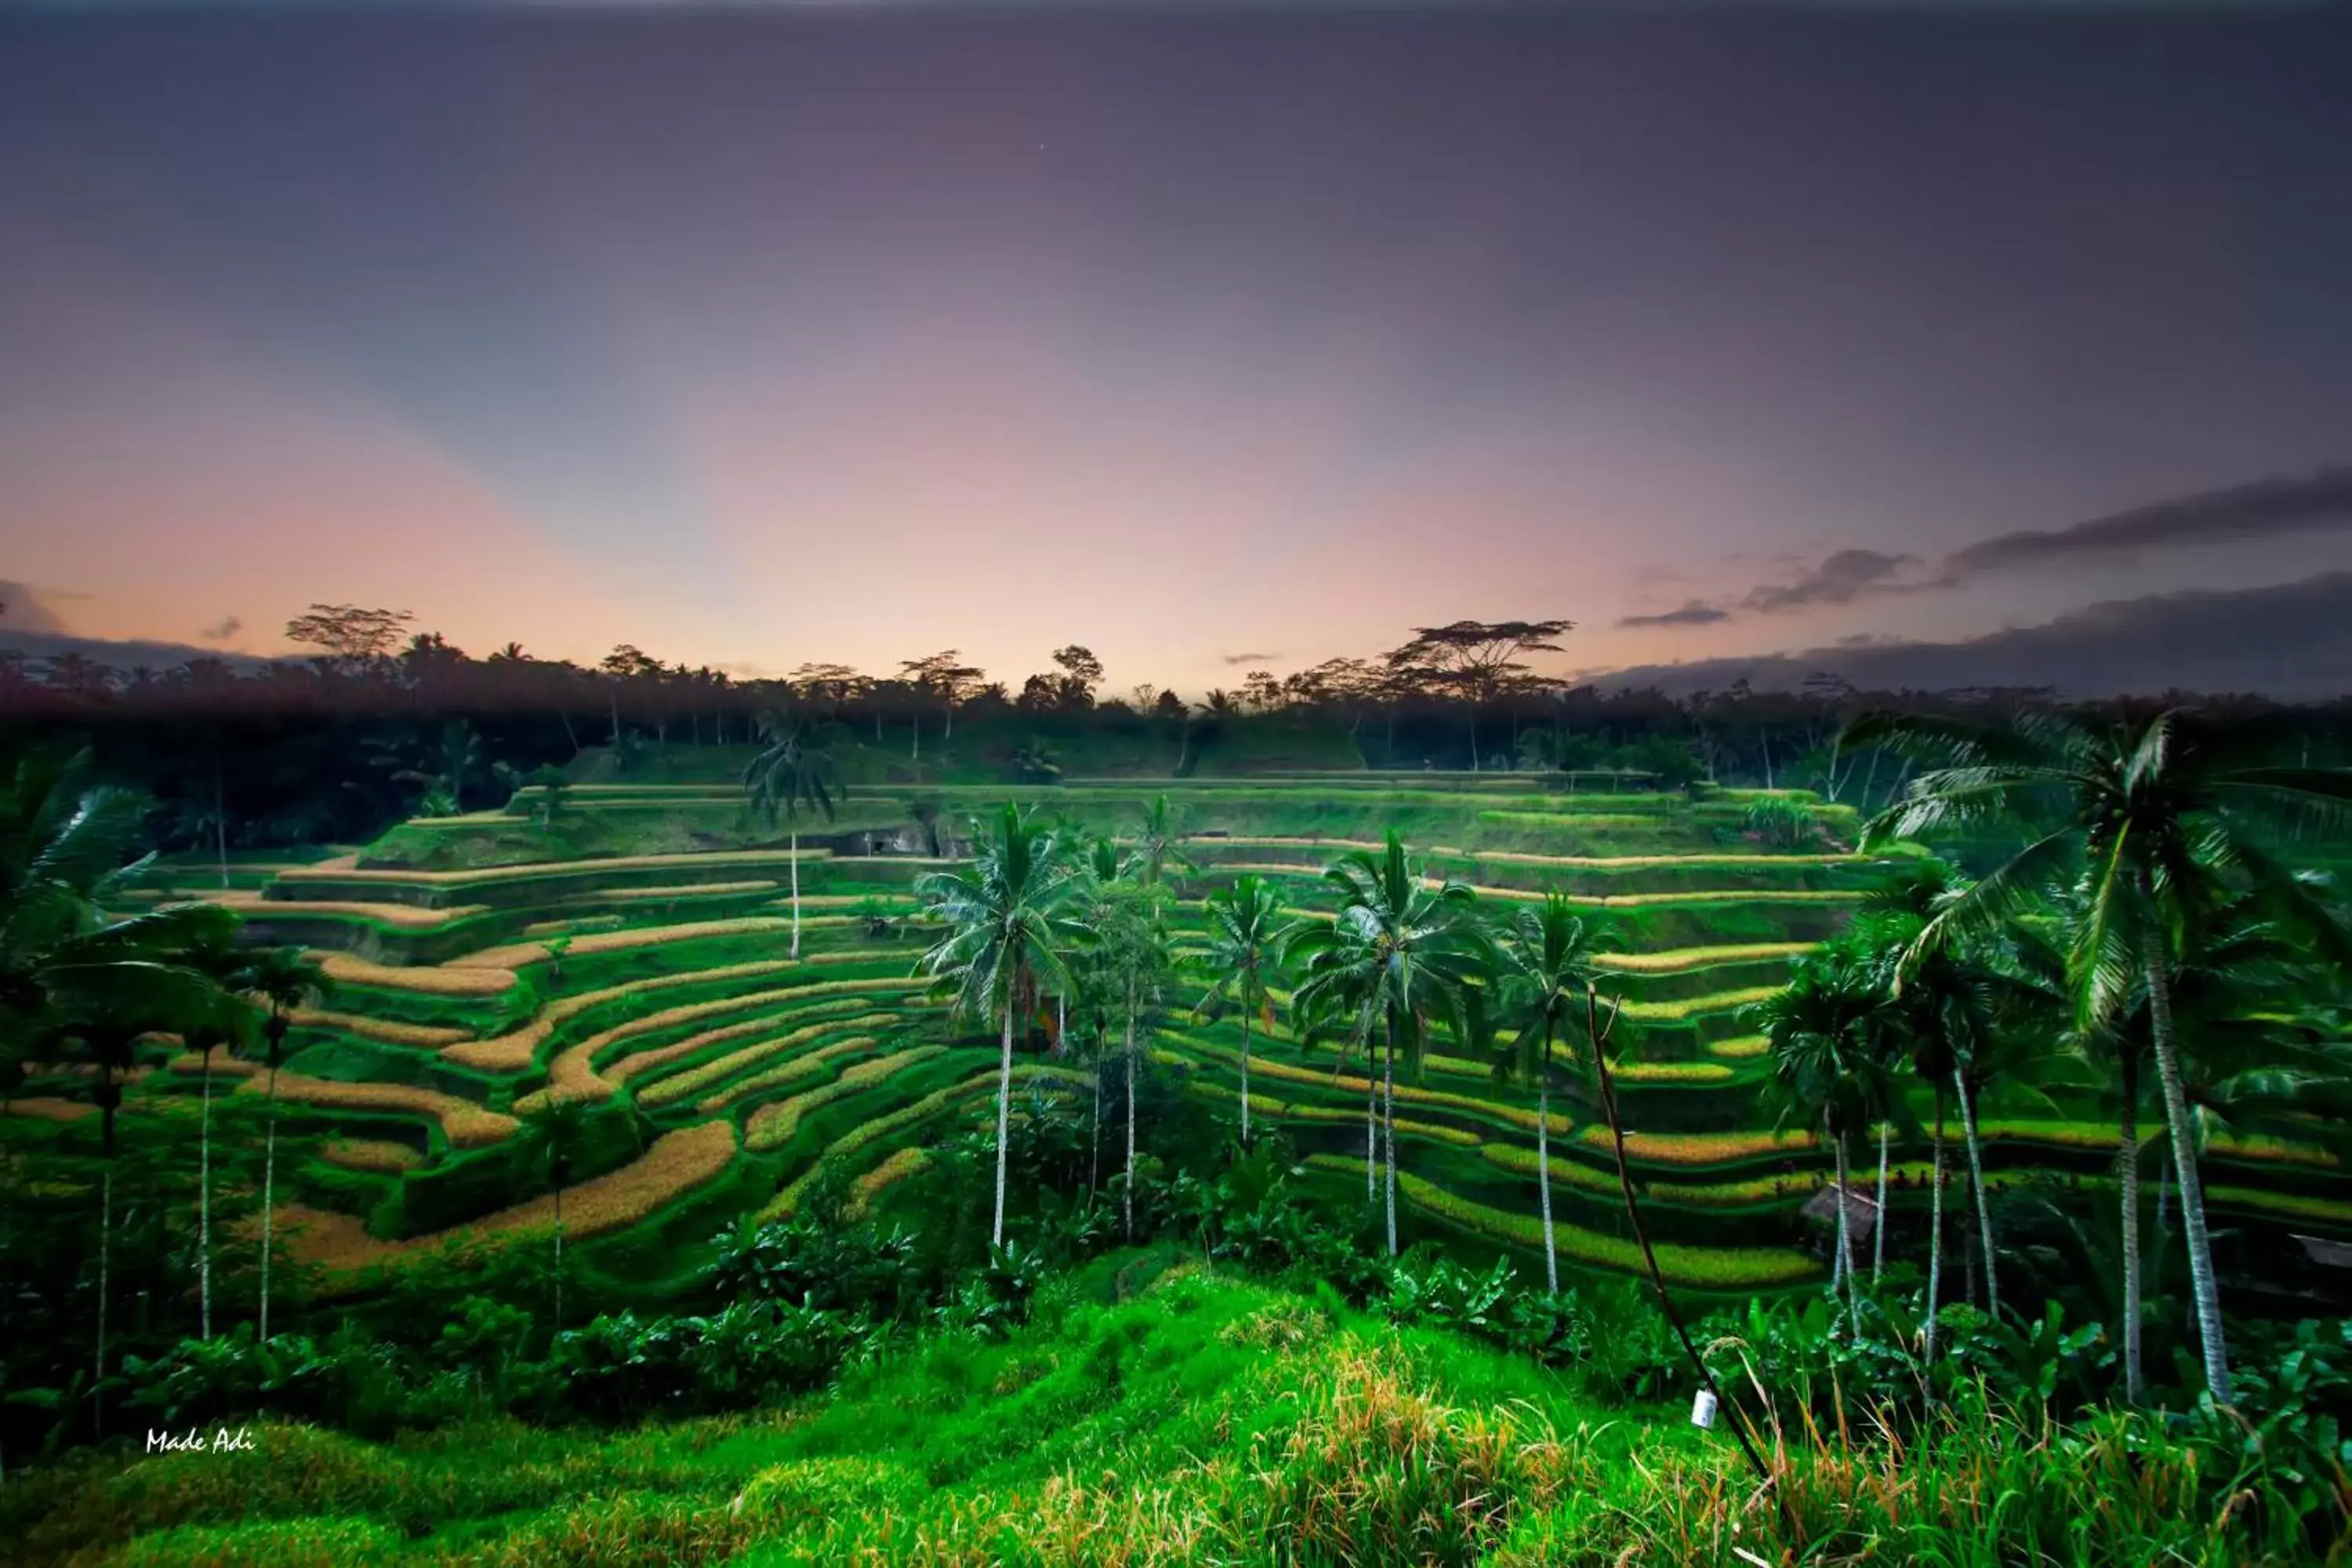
[1103,871]
[1159,844]
[71,980]
[2248,1066]
[1008,920]
[1130,935]
[228,1021]
[1337,998]
[1543,969]
[2164,817]
[546,1146]
[1401,951]
[282,979]
[1244,952]
[790,770]
[1826,1061]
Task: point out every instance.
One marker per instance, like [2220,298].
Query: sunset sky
[1210,342]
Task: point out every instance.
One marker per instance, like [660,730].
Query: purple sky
[758,339]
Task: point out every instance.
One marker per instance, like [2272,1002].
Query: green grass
[1201,1421]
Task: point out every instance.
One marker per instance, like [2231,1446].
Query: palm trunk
[1935,1224]
[1543,1161]
[1388,1120]
[1094,1154]
[1846,1236]
[220,817]
[558,1259]
[1878,1221]
[1371,1125]
[1246,1051]
[1984,1199]
[1128,1195]
[268,1193]
[1004,1118]
[796,892]
[2202,1285]
[2163,1197]
[105,1257]
[2128,1188]
[1598,1036]
[917,753]
[205,1205]
[949,733]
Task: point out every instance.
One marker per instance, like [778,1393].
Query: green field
[488,965]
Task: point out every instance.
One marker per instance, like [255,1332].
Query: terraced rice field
[724,1077]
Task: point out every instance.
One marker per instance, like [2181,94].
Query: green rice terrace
[725,1077]
[1423,1291]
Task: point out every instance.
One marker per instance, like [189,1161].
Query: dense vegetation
[1978,1199]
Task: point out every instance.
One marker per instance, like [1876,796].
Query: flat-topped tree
[790,771]
[1474,659]
[350,639]
[1081,673]
[945,677]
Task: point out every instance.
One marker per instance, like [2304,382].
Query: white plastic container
[1703,1409]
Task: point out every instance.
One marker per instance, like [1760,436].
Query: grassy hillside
[1201,1421]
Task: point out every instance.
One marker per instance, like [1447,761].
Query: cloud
[27,611]
[2267,509]
[229,626]
[1840,579]
[1247,658]
[2291,641]
[1693,612]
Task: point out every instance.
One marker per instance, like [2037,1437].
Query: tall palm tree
[1104,869]
[1825,1063]
[546,1146]
[1130,934]
[1338,997]
[2163,817]
[1159,844]
[1244,952]
[790,770]
[1008,923]
[282,979]
[1544,967]
[1962,1015]
[226,1021]
[69,978]
[1405,953]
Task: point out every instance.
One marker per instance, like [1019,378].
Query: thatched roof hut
[1861,1209]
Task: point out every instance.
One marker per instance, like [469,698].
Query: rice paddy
[584,985]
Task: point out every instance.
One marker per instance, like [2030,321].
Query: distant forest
[379,722]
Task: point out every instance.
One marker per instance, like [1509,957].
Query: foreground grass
[1203,1422]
